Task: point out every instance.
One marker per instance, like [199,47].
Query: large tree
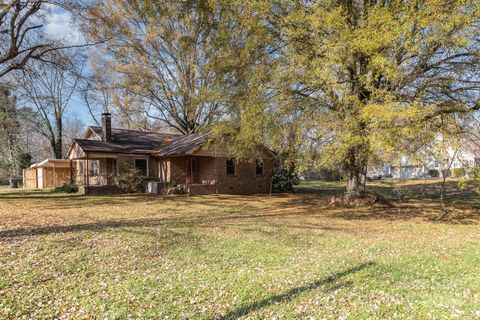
[355,76]
[19,37]
[161,51]
[9,132]
[48,88]
[22,33]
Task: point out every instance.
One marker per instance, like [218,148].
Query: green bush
[471,178]
[68,188]
[284,177]
[459,172]
[130,181]
[434,173]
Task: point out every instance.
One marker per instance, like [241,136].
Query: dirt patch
[364,198]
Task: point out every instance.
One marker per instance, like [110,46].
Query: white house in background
[421,163]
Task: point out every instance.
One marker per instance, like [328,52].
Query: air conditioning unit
[155,187]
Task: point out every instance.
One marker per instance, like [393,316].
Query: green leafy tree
[356,78]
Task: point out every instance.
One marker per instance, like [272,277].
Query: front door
[191,171]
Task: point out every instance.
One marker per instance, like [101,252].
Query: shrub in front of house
[284,177]
[130,181]
[68,188]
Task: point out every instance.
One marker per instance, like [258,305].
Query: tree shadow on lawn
[420,200]
[221,202]
[93,226]
[201,221]
[294,292]
[38,195]
[422,190]
[227,210]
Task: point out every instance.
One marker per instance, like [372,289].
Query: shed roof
[51,163]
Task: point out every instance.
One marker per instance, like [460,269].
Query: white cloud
[59,25]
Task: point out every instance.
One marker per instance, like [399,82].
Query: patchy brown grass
[285,256]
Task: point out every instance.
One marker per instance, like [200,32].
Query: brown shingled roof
[183,145]
[143,137]
[111,147]
[126,141]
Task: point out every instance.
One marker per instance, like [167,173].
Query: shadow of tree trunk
[292,293]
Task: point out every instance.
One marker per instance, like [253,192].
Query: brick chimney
[106,127]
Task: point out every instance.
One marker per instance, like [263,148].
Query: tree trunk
[57,148]
[356,167]
[56,139]
[356,182]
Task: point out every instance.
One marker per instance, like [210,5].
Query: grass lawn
[251,257]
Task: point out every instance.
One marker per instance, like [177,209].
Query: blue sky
[59,25]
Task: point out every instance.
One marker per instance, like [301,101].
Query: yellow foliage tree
[357,80]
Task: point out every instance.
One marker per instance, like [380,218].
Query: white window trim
[91,171]
[148,165]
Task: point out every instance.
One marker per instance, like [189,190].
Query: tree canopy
[161,51]
[357,80]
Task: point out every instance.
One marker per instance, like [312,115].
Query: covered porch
[195,174]
[96,170]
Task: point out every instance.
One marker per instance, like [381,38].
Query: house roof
[145,138]
[183,145]
[111,147]
[140,142]
[125,141]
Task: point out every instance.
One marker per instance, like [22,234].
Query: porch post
[192,179]
[54,176]
[71,172]
[87,180]
[186,172]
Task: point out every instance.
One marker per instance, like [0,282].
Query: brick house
[188,161]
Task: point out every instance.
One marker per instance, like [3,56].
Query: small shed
[51,173]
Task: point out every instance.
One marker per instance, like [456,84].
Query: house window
[142,166]
[230,167]
[259,167]
[111,166]
[114,166]
[80,167]
[94,168]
